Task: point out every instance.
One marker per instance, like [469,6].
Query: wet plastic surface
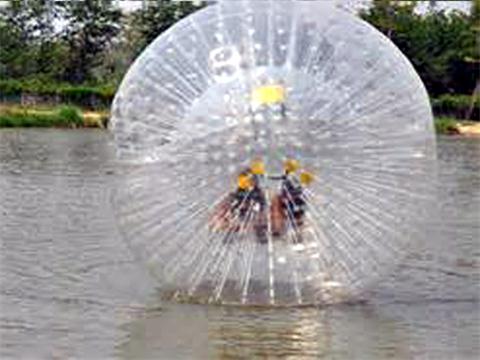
[270,81]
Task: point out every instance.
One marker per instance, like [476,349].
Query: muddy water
[70,289]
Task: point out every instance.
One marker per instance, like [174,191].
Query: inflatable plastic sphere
[276,153]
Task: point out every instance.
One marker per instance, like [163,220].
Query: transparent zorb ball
[274,153]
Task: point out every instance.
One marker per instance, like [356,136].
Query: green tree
[473,59]
[49,51]
[437,43]
[91,28]
[122,53]
[390,17]
[27,37]
[156,16]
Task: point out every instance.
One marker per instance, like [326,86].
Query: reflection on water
[248,333]
[69,287]
[253,332]
[402,331]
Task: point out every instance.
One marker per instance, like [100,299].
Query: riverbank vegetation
[35,91]
[74,53]
[452,126]
[12,115]
[64,116]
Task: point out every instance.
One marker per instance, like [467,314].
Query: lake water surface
[70,289]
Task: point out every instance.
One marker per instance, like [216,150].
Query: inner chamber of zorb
[274,153]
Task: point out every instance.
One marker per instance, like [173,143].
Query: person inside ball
[289,206]
[245,208]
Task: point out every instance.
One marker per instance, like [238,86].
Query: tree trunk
[472,102]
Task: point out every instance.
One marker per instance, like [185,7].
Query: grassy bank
[12,115]
[44,116]
[452,126]
[99,97]
[446,126]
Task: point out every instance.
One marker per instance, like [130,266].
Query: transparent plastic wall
[274,153]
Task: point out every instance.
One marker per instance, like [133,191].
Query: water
[69,287]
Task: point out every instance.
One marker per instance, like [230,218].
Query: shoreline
[47,116]
[451,126]
[468,129]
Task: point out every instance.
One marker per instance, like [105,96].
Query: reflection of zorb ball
[276,153]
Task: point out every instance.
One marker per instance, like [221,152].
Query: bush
[69,115]
[93,97]
[66,116]
[445,125]
[10,88]
[27,120]
[457,106]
